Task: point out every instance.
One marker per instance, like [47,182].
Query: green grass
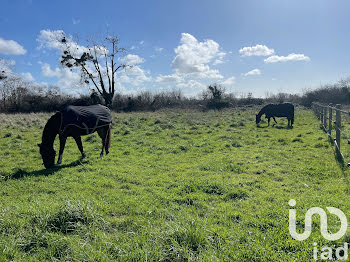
[177,186]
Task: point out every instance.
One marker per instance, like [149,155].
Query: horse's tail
[108,137]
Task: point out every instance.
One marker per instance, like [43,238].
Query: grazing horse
[277,110]
[75,121]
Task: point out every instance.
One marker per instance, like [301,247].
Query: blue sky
[247,46]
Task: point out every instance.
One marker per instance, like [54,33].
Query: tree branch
[97,66]
[109,78]
[91,78]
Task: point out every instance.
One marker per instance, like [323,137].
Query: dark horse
[277,110]
[75,121]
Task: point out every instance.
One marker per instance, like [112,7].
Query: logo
[327,252]
[308,220]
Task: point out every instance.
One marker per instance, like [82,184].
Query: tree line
[98,64]
[18,95]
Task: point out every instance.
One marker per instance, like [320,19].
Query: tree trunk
[108,97]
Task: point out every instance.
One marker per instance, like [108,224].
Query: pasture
[177,186]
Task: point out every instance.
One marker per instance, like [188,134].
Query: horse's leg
[108,139]
[274,119]
[79,144]
[63,140]
[102,134]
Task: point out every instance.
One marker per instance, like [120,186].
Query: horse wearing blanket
[75,121]
[277,110]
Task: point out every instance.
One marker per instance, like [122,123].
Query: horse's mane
[52,126]
[262,111]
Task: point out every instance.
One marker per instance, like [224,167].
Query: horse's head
[48,155]
[257,119]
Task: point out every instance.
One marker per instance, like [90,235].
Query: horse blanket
[85,117]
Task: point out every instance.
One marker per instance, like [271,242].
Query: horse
[277,110]
[75,121]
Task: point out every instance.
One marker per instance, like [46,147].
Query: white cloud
[10,47]
[53,40]
[169,78]
[258,50]
[28,77]
[218,61]
[48,72]
[135,75]
[6,67]
[229,81]
[142,42]
[6,64]
[159,49]
[290,57]
[75,21]
[192,57]
[221,56]
[68,80]
[131,59]
[253,72]
[193,84]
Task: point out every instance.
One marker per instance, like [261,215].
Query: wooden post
[321,114]
[325,118]
[338,125]
[330,120]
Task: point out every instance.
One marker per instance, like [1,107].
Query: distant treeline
[17,95]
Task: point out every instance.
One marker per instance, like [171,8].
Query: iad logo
[323,226]
[326,251]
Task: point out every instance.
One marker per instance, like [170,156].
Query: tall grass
[177,186]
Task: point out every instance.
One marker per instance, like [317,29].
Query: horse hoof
[58,164]
[107,152]
[83,155]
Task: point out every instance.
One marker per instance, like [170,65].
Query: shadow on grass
[283,127]
[340,160]
[275,126]
[338,157]
[20,173]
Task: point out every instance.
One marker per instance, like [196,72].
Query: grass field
[177,186]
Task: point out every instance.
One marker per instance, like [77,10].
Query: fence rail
[324,113]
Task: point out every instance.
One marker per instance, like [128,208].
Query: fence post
[325,118]
[338,125]
[321,114]
[330,120]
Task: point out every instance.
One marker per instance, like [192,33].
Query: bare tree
[214,92]
[98,65]
[5,68]
[2,74]
[13,91]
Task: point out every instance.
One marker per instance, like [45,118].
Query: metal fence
[325,114]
